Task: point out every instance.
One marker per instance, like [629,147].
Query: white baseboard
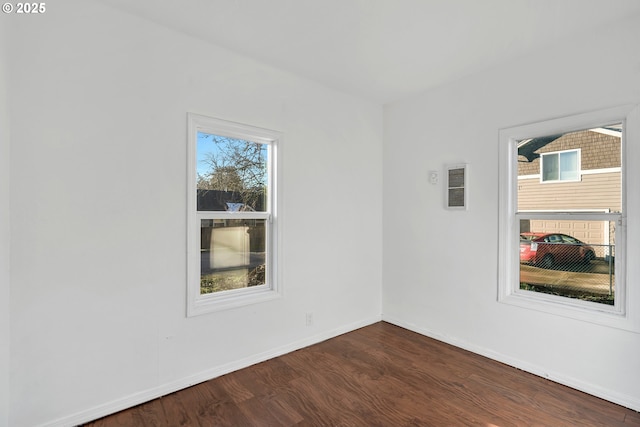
[613,396]
[171,387]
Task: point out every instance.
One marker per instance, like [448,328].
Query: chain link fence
[578,270]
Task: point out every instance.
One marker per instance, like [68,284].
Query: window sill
[210,303]
[595,313]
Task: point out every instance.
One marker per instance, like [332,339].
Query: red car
[547,249]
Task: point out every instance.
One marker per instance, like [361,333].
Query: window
[562,166]
[562,216]
[232,221]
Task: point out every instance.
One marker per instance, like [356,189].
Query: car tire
[588,257]
[547,261]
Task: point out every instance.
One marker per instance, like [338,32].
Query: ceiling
[382,50]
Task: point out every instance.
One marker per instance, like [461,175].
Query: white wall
[98,181]
[440,267]
[4,232]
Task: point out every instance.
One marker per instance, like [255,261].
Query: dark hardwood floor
[380,375]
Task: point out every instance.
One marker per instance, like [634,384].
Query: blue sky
[203,147]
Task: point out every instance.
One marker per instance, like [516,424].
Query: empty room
[305,212]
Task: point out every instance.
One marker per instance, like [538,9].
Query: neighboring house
[579,172]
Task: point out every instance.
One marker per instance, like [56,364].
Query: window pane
[232,254]
[550,167]
[586,168]
[570,258]
[569,166]
[231,174]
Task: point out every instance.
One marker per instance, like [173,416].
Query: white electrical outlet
[309,319]
[433,177]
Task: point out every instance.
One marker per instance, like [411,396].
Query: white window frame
[559,154]
[509,291]
[198,303]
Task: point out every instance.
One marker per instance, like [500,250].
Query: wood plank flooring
[380,375]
